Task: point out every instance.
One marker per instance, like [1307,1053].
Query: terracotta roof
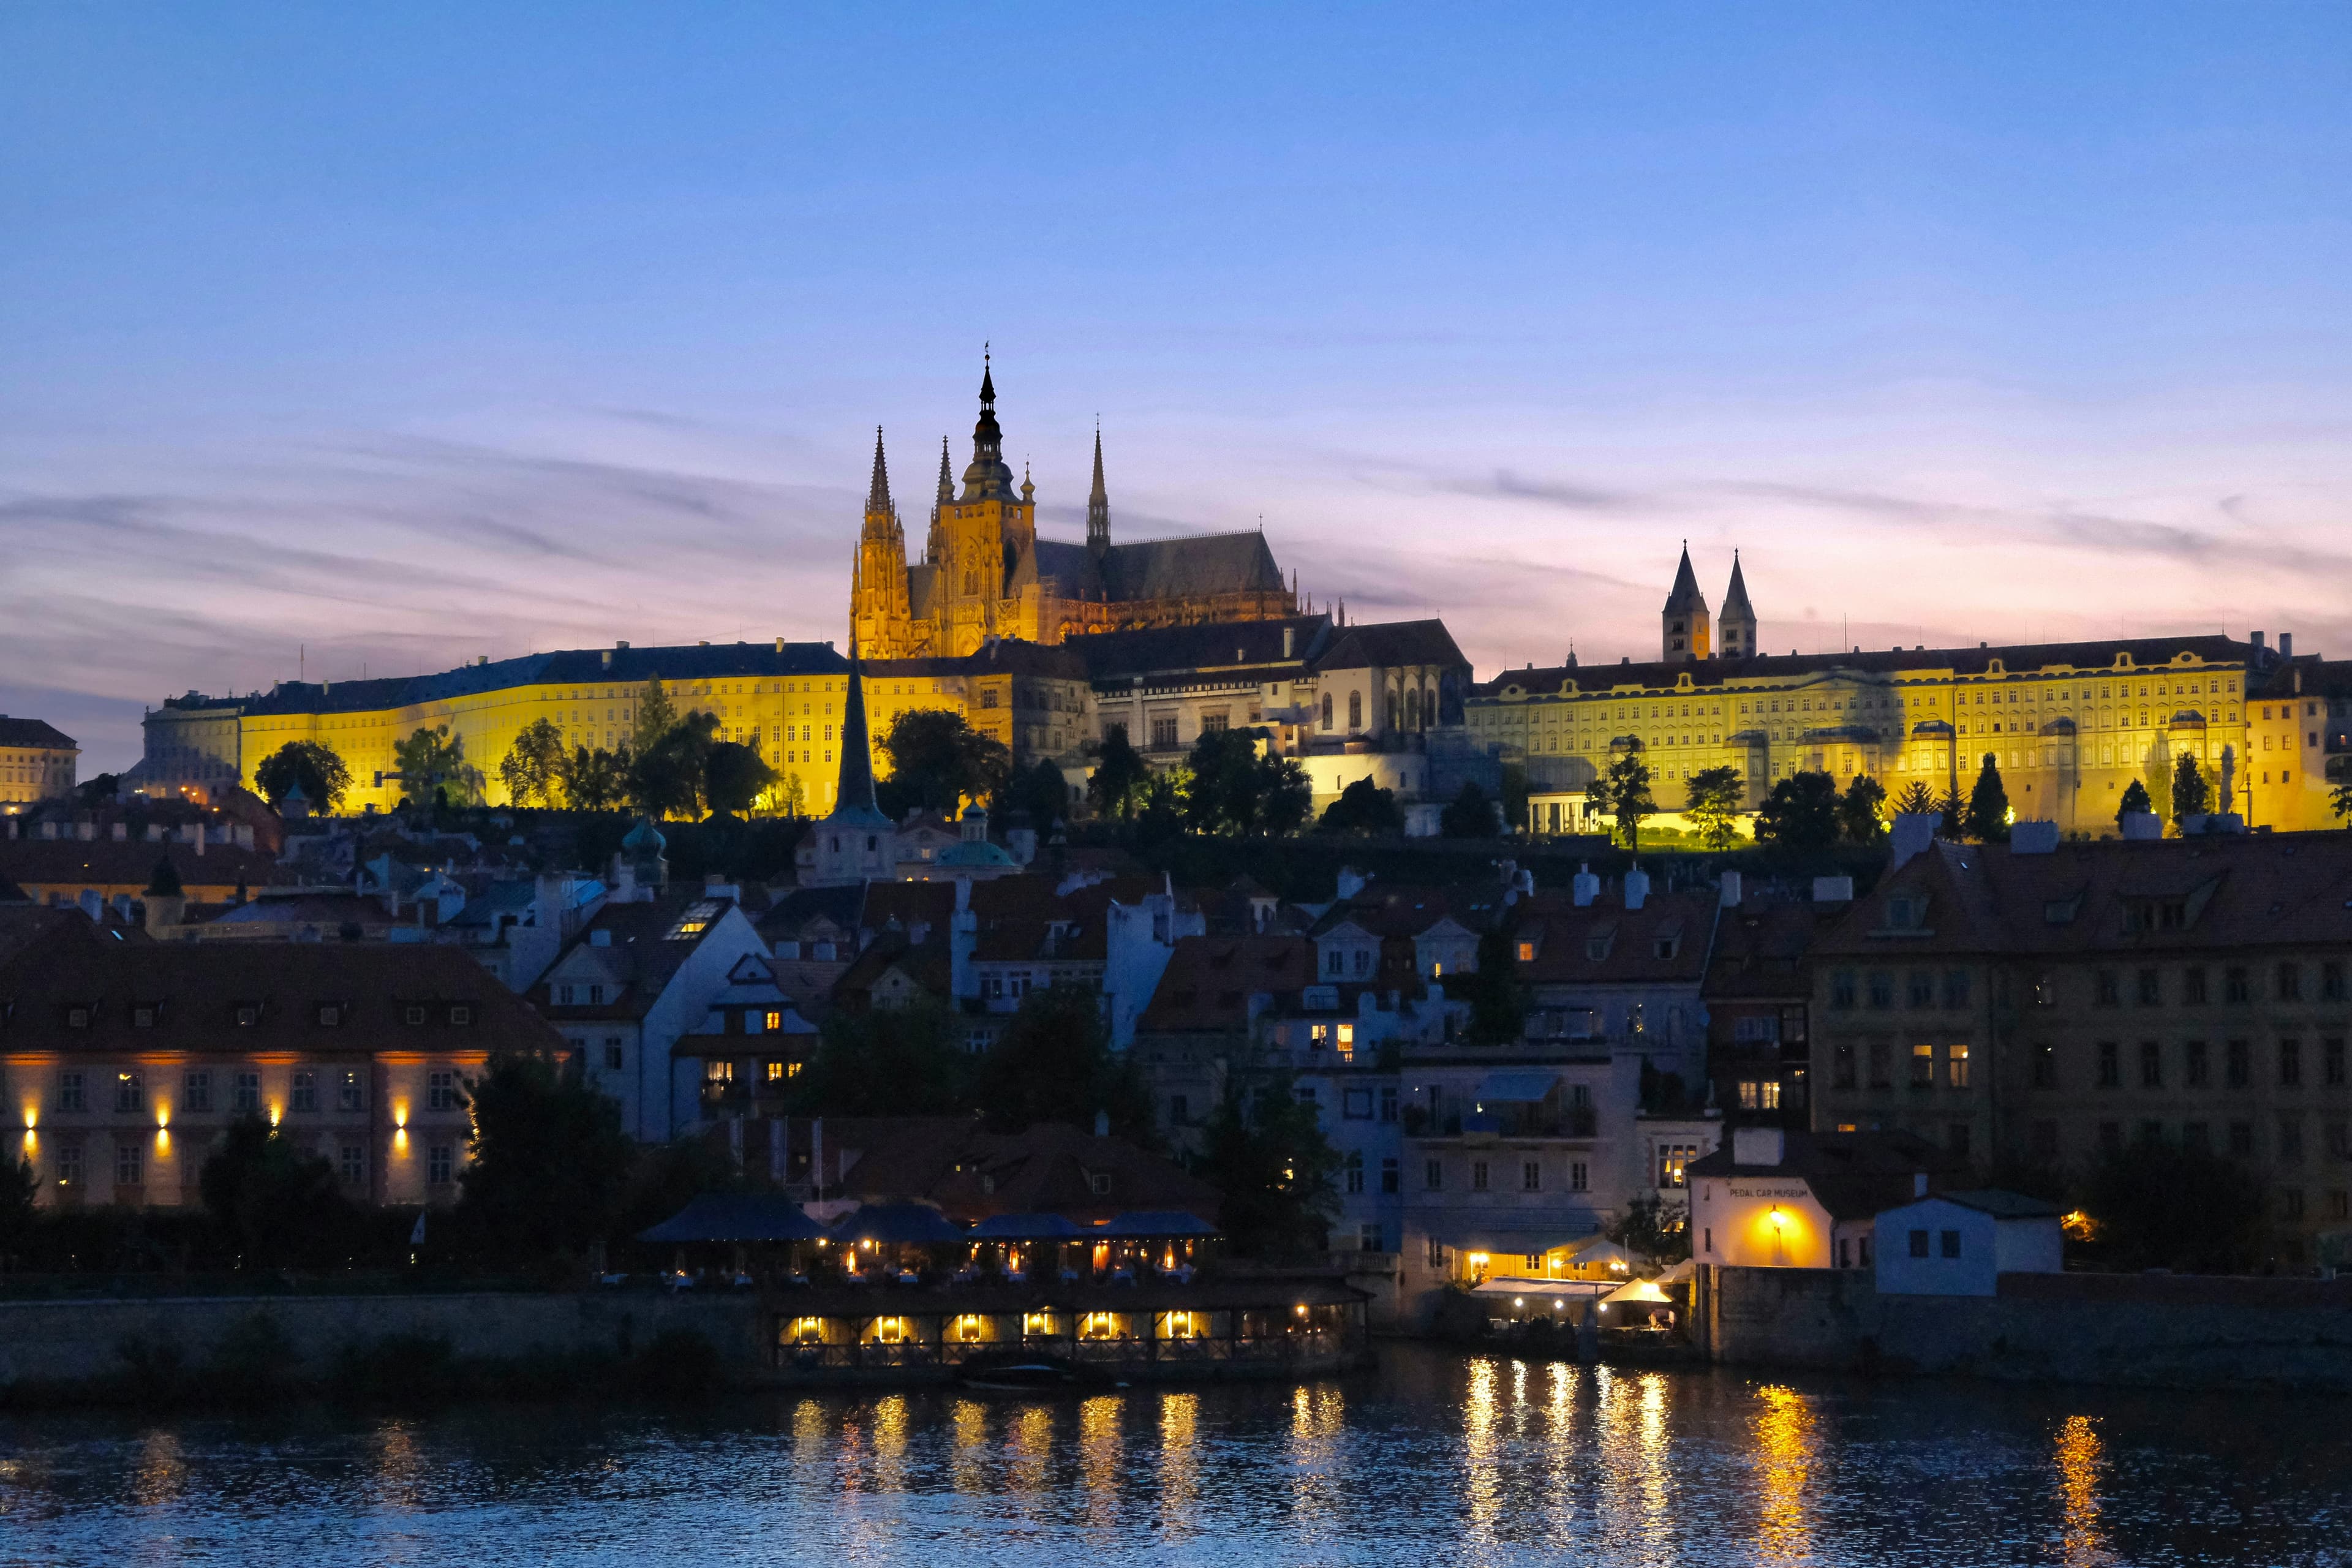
[1761,949]
[1604,944]
[75,863]
[1182,650]
[34,734]
[972,1172]
[1853,1174]
[199,995]
[641,954]
[1210,979]
[1388,644]
[2204,894]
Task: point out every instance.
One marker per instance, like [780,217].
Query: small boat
[1017,1374]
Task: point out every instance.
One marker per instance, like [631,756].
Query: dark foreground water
[1432,1459]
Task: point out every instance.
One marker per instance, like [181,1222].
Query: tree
[1235,790]
[735,776]
[1469,815]
[324,776]
[1861,810]
[1917,800]
[2339,801]
[432,760]
[1053,1063]
[1715,796]
[1622,793]
[1801,812]
[1116,786]
[886,1061]
[938,761]
[1037,792]
[1987,818]
[2191,791]
[532,769]
[100,790]
[1954,813]
[1658,1230]
[550,1161]
[1364,810]
[2135,802]
[1498,1003]
[597,780]
[1515,790]
[20,1189]
[2155,1205]
[1274,1171]
[656,716]
[668,779]
[277,1202]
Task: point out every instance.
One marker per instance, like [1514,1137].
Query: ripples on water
[1432,1459]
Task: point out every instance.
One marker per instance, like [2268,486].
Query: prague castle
[985,575]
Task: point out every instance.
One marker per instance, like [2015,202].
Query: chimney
[1102,1123]
[780,645]
[2142,826]
[1288,635]
[1584,887]
[601,937]
[1757,1146]
[1729,894]
[1919,1184]
[2033,838]
[119,833]
[1637,888]
[608,659]
[200,839]
[2256,637]
[154,833]
[93,904]
[1834,889]
[1351,881]
[48,830]
[86,832]
[2286,645]
[1914,831]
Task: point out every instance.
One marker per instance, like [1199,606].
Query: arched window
[1326,711]
[1355,710]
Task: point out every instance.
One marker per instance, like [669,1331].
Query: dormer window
[414,1014]
[1099,1183]
[247,1015]
[1667,946]
[330,1015]
[596,996]
[1596,948]
[461,1014]
[76,1017]
[1527,952]
[142,1017]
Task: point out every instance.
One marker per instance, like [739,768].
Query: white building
[1959,1244]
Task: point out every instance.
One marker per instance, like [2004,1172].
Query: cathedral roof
[877,494]
[990,477]
[1195,568]
[616,666]
[1685,599]
[1217,645]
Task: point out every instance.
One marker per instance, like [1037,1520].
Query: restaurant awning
[1156,1224]
[1637,1292]
[1522,1088]
[1601,1253]
[914,1223]
[1026,1227]
[736,1216]
[1515,1286]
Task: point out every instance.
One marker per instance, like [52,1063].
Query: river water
[1434,1459]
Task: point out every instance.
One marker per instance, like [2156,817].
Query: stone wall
[64,1342]
[2153,1330]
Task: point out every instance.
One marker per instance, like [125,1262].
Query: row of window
[1921,988]
[330,1015]
[2235,1139]
[2191,1066]
[1531,1176]
[1925,1061]
[2286,980]
[66,1166]
[346,1086]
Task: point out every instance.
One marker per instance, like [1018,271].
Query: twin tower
[1690,633]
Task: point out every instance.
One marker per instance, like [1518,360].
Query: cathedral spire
[1098,505]
[1686,627]
[1738,622]
[988,478]
[856,789]
[877,494]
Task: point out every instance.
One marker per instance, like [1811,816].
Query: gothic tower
[935,542]
[990,528]
[1684,618]
[878,615]
[1738,622]
[1098,509]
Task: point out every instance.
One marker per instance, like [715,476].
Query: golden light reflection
[1032,1450]
[1100,1458]
[2079,1454]
[1479,1450]
[890,1424]
[399,1466]
[968,1462]
[160,1472]
[1784,1462]
[1179,1463]
[1317,1412]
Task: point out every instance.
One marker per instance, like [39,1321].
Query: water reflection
[2078,1454]
[1435,1460]
[1784,1456]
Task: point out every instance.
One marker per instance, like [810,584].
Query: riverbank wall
[55,1350]
[2146,1330]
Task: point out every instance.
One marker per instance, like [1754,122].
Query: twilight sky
[412,334]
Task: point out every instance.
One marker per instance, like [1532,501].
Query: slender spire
[877,494]
[947,481]
[1686,593]
[1099,504]
[1735,598]
[856,791]
[989,477]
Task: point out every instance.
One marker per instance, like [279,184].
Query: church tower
[991,527]
[1684,618]
[1098,510]
[935,543]
[878,616]
[1738,622]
